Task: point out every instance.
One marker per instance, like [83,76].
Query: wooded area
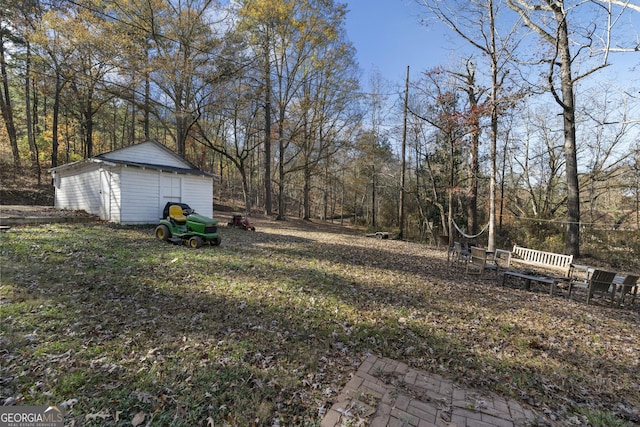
[521,135]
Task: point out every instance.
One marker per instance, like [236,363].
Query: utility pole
[404,149]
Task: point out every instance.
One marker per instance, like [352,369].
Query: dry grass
[268,327]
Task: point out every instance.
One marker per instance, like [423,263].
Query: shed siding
[116,196]
[79,189]
[131,194]
[139,196]
[147,152]
[197,192]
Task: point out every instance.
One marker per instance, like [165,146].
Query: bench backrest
[542,259]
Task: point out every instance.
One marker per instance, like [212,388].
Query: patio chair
[460,253]
[580,274]
[600,282]
[629,286]
[477,260]
[500,261]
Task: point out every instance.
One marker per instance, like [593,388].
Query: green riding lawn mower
[181,225]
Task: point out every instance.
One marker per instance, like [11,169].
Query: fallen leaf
[138,419]
[103,414]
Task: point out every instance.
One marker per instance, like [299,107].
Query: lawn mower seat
[176,215]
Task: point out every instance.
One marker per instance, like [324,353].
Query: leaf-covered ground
[267,328]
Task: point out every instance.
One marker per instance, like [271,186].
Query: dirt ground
[23,211]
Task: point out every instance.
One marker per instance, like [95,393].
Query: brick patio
[384,392]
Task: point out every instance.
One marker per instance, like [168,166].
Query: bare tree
[607,138]
[232,128]
[438,105]
[537,164]
[551,21]
[476,22]
[327,111]
[184,59]
[260,20]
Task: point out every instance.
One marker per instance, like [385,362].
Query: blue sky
[388,36]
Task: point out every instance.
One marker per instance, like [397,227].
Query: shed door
[105,194]
[170,190]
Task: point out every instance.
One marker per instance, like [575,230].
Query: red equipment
[237,221]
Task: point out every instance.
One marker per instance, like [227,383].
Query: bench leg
[552,288]
[633,292]
[613,294]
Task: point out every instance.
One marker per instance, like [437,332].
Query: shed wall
[197,192]
[79,189]
[139,194]
[143,197]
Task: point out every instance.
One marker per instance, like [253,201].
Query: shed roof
[167,168]
[119,157]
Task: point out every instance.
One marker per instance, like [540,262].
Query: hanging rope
[468,236]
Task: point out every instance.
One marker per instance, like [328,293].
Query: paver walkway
[384,392]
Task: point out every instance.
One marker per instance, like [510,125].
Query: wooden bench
[541,259]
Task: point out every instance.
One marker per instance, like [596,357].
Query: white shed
[131,185]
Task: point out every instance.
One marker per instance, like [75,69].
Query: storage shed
[131,185]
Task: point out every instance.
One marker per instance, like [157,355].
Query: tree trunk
[268,209]
[282,206]
[54,131]
[245,191]
[147,97]
[450,192]
[326,212]
[88,124]
[373,196]
[28,116]
[493,168]
[494,132]
[7,108]
[181,132]
[572,240]
[472,205]
[401,215]
[307,192]
[560,41]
